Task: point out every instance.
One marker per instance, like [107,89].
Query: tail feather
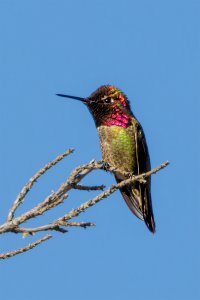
[139,203]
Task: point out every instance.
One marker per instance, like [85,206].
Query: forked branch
[61,224]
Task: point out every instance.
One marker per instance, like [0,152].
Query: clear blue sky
[149,49]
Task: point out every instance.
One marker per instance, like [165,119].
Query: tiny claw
[105,166]
[131,174]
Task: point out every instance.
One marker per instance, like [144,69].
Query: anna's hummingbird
[123,146]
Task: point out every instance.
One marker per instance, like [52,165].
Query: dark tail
[138,199]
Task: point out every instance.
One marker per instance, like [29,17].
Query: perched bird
[123,146]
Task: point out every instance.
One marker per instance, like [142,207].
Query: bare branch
[62,224]
[33,179]
[75,212]
[26,248]
[57,197]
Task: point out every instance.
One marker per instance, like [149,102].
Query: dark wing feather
[143,163]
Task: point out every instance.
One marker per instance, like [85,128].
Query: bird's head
[105,102]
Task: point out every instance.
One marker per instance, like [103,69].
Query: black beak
[72,97]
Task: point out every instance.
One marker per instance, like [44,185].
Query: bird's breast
[118,146]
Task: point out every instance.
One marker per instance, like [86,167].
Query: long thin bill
[72,97]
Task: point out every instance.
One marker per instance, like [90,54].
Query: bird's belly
[118,147]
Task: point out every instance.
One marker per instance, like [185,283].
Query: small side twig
[56,225]
[89,188]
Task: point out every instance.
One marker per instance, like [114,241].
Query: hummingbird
[123,146]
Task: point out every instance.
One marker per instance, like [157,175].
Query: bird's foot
[105,166]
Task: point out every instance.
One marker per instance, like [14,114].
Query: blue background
[150,50]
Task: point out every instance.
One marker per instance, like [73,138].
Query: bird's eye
[108,100]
